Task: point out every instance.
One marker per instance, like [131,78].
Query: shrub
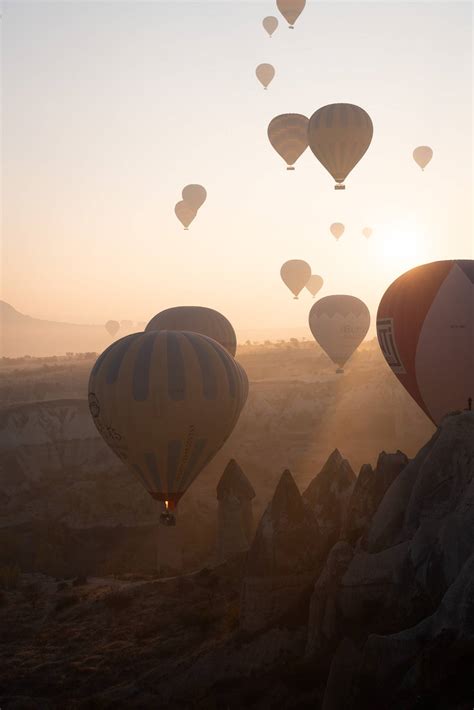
[117,601]
[66,602]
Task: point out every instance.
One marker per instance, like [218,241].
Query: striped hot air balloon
[165,402]
[288,135]
[339,324]
[197,319]
[425,328]
[339,135]
[291,10]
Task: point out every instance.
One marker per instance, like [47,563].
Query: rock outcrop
[283,559]
[235,525]
[408,588]
[369,489]
[328,495]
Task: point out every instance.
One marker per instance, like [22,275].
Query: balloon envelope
[291,10]
[295,274]
[265,74]
[339,135]
[367,232]
[314,284]
[422,155]
[112,327]
[425,328]
[165,402]
[197,319]
[270,24]
[184,213]
[194,196]
[337,229]
[339,324]
[288,134]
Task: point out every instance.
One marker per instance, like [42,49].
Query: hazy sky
[110,108]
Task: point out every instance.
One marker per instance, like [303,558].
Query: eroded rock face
[369,489]
[410,589]
[234,515]
[283,560]
[328,495]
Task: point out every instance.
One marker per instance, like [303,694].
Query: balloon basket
[291,27]
[339,371]
[339,187]
[290,167]
[167,519]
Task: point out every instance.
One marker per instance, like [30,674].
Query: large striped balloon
[197,319]
[288,135]
[339,135]
[425,328]
[165,402]
[339,324]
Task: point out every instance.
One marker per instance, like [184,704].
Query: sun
[400,245]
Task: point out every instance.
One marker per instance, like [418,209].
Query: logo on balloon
[385,332]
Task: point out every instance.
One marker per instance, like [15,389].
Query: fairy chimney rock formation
[283,560]
[328,495]
[235,515]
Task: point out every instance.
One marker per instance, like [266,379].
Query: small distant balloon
[339,324]
[367,232]
[295,274]
[337,230]
[422,155]
[291,10]
[270,24]
[112,327]
[288,134]
[265,74]
[194,196]
[315,284]
[184,213]
[339,135]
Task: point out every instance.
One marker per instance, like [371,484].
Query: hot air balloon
[425,328]
[314,284]
[270,24]
[422,155]
[337,229]
[265,74]
[165,402]
[339,324]
[339,135]
[197,319]
[112,327]
[194,196]
[295,274]
[291,10]
[288,134]
[367,232]
[184,213]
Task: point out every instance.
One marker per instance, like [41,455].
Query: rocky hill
[387,621]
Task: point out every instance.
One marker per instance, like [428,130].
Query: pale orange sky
[111,108]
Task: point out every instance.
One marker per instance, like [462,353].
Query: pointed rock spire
[234,482]
[328,494]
